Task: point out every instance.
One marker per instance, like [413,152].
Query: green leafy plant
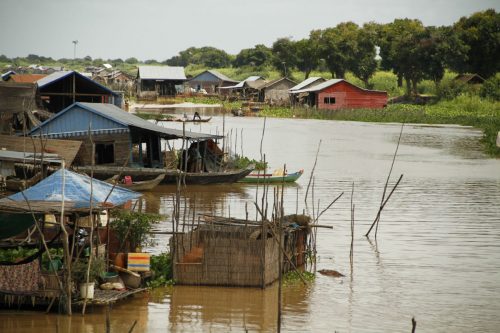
[292,277]
[161,268]
[134,227]
[79,270]
[16,254]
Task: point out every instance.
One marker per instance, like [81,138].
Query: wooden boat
[201,178]
[17,184]
[170,176]
[144,185]
[187,120]
[271,178]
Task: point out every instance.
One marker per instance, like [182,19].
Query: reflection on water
[437,256]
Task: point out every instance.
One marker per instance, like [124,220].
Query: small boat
[271,178]
[144,185]
[184,120]
[202,178]
[16,184]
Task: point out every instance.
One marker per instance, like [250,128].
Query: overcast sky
[159,29]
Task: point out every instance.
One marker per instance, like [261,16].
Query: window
[329,100]
[104,153]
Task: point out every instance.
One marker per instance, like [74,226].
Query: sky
[160,29]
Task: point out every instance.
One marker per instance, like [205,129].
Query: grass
[292,277]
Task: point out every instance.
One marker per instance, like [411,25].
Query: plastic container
[87,290]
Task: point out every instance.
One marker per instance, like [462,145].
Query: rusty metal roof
[26,78]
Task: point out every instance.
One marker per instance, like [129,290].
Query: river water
[436,256]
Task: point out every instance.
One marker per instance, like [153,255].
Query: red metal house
[340,94]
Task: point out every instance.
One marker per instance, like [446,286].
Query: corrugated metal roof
[221,76]
[327,84]
[124,118]
[26,78]
[56,76]
[319,87]
[162,73]
[242,83]
[306,82]
[273,82]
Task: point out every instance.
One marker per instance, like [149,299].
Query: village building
[210,81]
[113,136]
[59,90]
[160,80]
[248,88]
[17,101]
[340,94]
[276,92]
[308,83]
[470,78]
[24,78]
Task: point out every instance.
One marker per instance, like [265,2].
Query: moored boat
[256,177]
[17,184]
[144,185]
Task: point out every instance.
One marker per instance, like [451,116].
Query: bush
[161,268]
[134,227]
[491,88]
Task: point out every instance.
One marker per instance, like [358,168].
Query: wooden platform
[105,297]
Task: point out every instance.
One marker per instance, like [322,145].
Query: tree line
[414,52]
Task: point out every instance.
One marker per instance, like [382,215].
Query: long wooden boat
[106,172]
[16,184]
[144,185]
[270,178]
[202,178]
[188,120]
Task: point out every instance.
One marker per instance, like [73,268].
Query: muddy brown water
[436,257]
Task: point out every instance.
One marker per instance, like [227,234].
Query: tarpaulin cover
[77,189]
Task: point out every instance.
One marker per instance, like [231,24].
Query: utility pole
[74,49]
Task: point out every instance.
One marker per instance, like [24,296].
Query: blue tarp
[76,189]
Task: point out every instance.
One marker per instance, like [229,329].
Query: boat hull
[261,178]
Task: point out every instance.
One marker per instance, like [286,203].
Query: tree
[284,55]
[131,60]
[259,55]
[207,56]
[364,65]
[481,33]
[403,52]
[308,53]
[339,47]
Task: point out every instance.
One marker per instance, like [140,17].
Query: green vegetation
[292,277]
[16,254]
[242,162]
[161,268]
[134,227]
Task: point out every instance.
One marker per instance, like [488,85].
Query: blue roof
[105,118]
[56,76]
[76,189]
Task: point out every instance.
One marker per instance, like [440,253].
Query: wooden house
[17,100]
[469,78]
[25,78]
[160,80]
[276,91]
[210,81]
[307,83]
[340,94]
[118,137]
[59,90]
[247,88]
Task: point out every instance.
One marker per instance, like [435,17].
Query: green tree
[284,55]
[481,33]
[339,47]
[364,65]
[308,53]
[260,55]
[131,60]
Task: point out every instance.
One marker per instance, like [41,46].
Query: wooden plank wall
[348,96]
[67,149]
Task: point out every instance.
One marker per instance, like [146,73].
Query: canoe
[17,184]
[188,120]
[144,185]
[105,172]
[270,178]
[202,178]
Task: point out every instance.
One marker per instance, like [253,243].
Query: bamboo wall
[225,256]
